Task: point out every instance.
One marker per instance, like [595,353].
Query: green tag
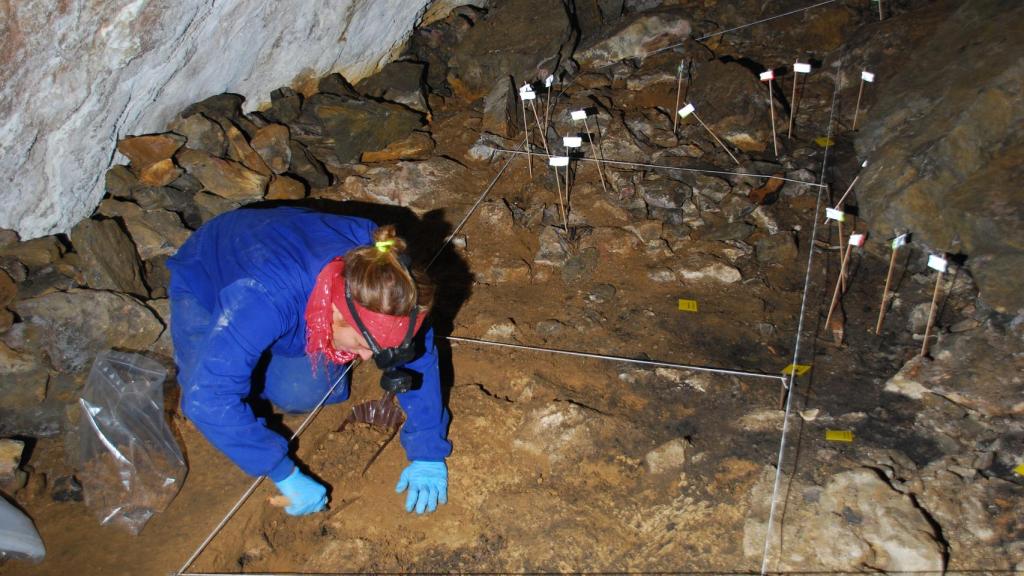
[798,369]
[839,435]
[1019,469]
[824,141]
[687,305]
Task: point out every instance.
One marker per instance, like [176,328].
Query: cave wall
[78,75]
[945,139]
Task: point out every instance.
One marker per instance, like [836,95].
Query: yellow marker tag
[839,435]
[687,305]
[824,141]
[1019,469]
[799,369]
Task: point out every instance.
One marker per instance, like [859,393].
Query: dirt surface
[555,465]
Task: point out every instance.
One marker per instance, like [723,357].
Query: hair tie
[384,245]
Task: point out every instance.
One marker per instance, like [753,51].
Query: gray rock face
[945,155]
[77,324]
[114,68]
[339,128]
[527,39]
[636,39]
[406,183]
[399,82]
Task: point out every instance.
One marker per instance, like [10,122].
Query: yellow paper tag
[799,369]
[824,141]
[839,435]
[687,305]
[1019,469]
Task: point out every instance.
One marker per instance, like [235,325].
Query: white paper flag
[526,87]
[686,111]
[558,160]
[834,214]
[530,95]
[801,68]
[900,240]
[578,114]
[867,76]
[767,75]
[936,262]
[864,164]
[857,239]
[549,81]
[572,141]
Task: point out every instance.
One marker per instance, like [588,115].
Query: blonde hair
[379,281]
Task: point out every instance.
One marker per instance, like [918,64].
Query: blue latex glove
[427,483]
[305,494]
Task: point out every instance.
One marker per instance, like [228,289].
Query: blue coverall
[238,289]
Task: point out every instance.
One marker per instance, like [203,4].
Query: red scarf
[330,286]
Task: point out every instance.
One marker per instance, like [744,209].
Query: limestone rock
[23,378]
[494,48]
[400,82]
[733,103]
[855,522]
[211,205]
[551,250]
[285,188]
[411,184]
[968,369]
[109,258]
[285,106]
[8,289]
[202,134]
[224,178]
[668,457]
[240,151]
[307,167]
[72,339]
[500,109]
[149,149]
[34,254]
[950,173]
[559,431]
[417,146]
[348,126]
[778,249]
[635,39]
[154,232]
[271,143]
[160,173]
[703,268]
[10,458]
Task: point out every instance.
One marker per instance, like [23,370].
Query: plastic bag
[128,461]
[18,536]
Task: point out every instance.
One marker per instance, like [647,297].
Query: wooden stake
[771,110]
[856,110]
[598,158]
[792,108]
[715,136]
[880,15]
[931,315]
[839,283]
[679,90]
[547,105]
[526,126]
[885,293]
[543,136]
[842,265]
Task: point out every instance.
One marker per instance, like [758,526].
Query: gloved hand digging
[305,494]
[427,483]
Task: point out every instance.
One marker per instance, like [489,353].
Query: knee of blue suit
[294,386]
